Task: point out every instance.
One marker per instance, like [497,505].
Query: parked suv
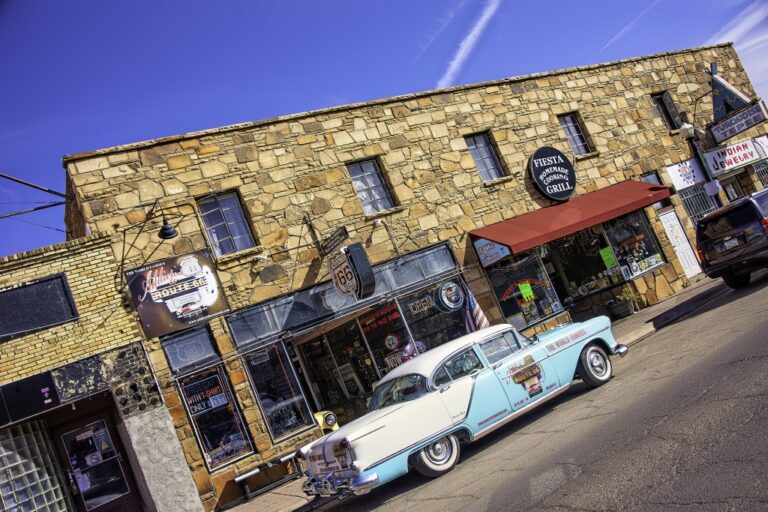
[733,241]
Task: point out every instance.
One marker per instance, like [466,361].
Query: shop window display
[355,368]
[435,315]
[523,289]
[321,373]
[282,402]
[634,244]
[387,336]
[586,261]
[217,421]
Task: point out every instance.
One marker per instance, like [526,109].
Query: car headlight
[330,419]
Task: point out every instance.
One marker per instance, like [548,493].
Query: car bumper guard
[620,350]
[326,485]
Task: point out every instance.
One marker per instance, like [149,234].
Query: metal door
[682,247]
[93,462]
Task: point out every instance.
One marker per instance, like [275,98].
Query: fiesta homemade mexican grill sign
[552,173]
[176,293]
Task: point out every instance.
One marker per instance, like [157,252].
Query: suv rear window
[762,200]
[722,224]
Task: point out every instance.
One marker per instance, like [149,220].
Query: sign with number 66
[342,275]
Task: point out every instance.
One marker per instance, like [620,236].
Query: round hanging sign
[552,173]
[449,296]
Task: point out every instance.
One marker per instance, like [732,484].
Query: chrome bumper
[326,485]
[620,350]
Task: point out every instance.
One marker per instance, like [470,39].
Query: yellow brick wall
[104,322]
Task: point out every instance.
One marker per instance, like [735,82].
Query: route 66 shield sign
[342,275]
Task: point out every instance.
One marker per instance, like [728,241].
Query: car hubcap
[598,363]
[439,452]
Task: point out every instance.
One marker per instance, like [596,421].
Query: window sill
[383,213]
[498,181]
[235,257]
[586,156]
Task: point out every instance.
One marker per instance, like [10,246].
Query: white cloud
[468,44]
[742,24]
[443,21]
[628,26]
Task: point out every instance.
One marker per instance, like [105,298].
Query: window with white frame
[370,186]
[484,156]
[575,133]
[225,223]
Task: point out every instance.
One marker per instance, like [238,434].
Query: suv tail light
[764,223]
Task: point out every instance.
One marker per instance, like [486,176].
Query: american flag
[474,318]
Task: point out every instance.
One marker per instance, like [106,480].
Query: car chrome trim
[325,485]
[620,350]
[522,411]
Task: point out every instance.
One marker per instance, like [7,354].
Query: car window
[442,377]
[463,364]
[499,347]
[401,389]
[722,224]
[762,200]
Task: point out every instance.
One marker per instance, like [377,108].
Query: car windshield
[401,389]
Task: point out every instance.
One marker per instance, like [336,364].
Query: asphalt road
[683,426]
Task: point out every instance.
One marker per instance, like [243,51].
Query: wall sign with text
[552,173]
[176,293]
[732,156]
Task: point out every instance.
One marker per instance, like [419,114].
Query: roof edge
[74,157]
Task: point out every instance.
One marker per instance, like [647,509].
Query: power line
[38,225]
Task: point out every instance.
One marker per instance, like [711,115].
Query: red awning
[547,224]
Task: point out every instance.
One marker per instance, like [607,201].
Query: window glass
[634,244]
[387,336]
[667,110]
[762,200]
[322,374]
[463,364]
[523,289]
[215,416]
[654,178]
[498,348]
[586,261]
[34,306]
[401,389]
[189,350]
[370,186]
[281,400]
[442,377]
[575,134]
[225,223]
[722,224]
[251,324]
[354,363]
[697,202]
[436,314]
[484,156]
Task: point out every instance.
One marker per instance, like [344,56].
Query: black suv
[733,241]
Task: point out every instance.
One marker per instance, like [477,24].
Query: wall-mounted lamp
[167,231]
[688,131]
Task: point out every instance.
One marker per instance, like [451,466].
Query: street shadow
[718,296]
[413,480]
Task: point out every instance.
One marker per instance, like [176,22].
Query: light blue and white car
[455,393]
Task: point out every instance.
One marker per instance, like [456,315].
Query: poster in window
[176,293]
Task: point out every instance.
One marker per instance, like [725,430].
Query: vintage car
[455,393]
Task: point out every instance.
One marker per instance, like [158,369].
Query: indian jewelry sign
[176,293]
[732,156]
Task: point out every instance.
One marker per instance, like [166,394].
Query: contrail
[628,26]
[468,44]
[742,24]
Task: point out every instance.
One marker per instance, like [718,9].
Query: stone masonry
[291,177]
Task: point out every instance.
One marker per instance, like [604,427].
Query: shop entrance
[94,465]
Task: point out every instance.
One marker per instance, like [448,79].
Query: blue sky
[82,75]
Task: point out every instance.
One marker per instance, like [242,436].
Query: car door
[525,371]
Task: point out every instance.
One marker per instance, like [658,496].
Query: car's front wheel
[438,457]
[736,281]
[595,367]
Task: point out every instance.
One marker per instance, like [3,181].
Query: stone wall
[104,320]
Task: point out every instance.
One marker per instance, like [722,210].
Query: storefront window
[283,404]
[321,373]
[523,290]
[586,261]
[634,244]
[354,363]
[215,416]
[386,335]
[435,315]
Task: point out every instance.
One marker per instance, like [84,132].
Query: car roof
[425,363]
[732,205]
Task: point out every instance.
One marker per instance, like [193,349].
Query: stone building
[82,423]
[533,200]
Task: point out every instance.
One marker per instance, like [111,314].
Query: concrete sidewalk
[628,331]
